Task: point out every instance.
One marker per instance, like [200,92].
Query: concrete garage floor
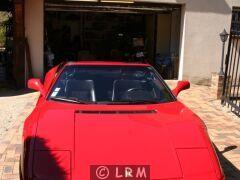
[223,127]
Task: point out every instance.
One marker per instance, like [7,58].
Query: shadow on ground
[230,171]
[12,92]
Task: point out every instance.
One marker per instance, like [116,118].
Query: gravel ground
[12,104]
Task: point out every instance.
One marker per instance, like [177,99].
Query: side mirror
[181,86]
[36,84]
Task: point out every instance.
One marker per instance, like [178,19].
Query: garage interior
[12,46]
[128,32]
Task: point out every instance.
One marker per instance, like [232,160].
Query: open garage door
[116,32]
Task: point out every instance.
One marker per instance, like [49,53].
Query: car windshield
[110,85]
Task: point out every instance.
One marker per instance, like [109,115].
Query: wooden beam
[19,43]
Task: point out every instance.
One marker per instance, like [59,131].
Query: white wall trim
[182,42]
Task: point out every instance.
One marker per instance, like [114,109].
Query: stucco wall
[34,23]
[200,45]
[205,19]
[163,34]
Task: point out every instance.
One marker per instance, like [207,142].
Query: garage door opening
[113,33]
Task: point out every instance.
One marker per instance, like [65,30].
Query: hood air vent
[117,112]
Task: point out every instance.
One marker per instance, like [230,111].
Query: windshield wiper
[135,101]
[125,101]
[78,101]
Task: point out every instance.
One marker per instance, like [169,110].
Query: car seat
[81,89]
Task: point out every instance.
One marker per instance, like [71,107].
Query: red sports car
[113,120]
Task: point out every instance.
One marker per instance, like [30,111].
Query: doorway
[113,33]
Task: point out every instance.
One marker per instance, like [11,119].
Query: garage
[123,31]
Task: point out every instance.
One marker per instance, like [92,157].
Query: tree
[4,16]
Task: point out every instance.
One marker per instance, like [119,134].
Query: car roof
[106,63]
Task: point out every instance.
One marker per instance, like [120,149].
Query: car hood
[120,135]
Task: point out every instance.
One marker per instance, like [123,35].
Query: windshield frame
[168,90]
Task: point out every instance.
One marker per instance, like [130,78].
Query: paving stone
[223,127]
[7,169]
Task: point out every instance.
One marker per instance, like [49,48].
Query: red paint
[61,142]
[36,84]
[49,78]
[181,86]
[102,63]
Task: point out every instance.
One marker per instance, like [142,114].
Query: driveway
[223,127]
[14,108]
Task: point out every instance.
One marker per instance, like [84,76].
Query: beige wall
[202,51]
[164,33]
[200,44]
[34,32]
[168,32]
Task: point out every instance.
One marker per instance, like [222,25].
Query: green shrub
[2,36]
[3,18]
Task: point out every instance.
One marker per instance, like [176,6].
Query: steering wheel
[129,94]
[135,89]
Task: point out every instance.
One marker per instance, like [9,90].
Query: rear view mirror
[36,85]
[181,86]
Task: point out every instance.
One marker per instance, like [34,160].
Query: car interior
[109,86]
[132,89]
[81,89]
